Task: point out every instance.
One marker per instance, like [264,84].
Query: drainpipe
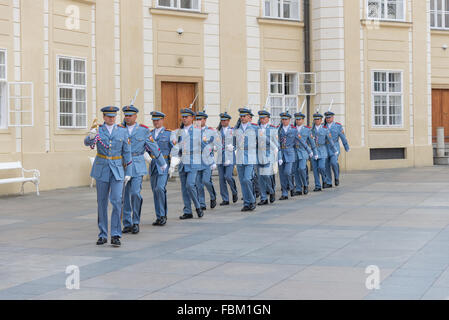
[307,52]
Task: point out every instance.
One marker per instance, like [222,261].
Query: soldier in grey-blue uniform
[304,152]
[245,133]
[204,175]
[111,170]
[322,137]
[141,142]
[187,153]
[337,132]
[159,174]
[288,136]
[226,159]
[267,150]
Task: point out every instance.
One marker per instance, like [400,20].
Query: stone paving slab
[310,247]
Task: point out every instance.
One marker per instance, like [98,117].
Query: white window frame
[178,6]
[435,13]
[73,87]
[282,11]
[385,7]
[282,95]
[4,104]
[387,94]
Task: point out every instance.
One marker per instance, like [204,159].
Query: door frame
[198,81]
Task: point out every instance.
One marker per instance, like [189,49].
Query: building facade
[383,64]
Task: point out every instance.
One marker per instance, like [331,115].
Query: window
[72,93]
[439,14]
[193,5]
[387,98]
[3,90]
[283,94]
[386,9]
[283,9]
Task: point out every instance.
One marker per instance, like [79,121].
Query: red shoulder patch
[142,125]
[308,127]
[338,123]
[120,125]
[254,124]
[293,126]
[272,126]
[210,128]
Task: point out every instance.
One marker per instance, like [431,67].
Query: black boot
[199,212]
[213,204]
[101,241]
[224,203]
[272,197]
[115,241]
[127,230]
[262,203]
[337,182]
[135,229]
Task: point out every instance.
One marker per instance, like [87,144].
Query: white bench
[18,166]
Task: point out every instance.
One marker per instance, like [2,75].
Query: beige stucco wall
[440,59]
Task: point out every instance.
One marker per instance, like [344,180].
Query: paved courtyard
[313,247]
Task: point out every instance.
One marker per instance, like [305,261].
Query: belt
[165,157]
[109,158]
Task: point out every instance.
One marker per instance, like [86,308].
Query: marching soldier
[204,175]
[158,174]
[141,142]
[246,156]
[302,182]
[268,143]
[322,137]
[288,135]
[111,170]
[187,153]
[337,132]
[226,159]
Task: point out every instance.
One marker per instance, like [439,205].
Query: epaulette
[210,128]
[293,126]
[120,125]
[142,125]
[254,124]
[308,127]
[339,123]
[272,126]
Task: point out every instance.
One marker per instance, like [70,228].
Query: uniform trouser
[204,179]
[189,192]
[133,202]
[112,190]
[285,175]
[319,169]
[332,162]
[225,176]
[301,175]
[158,185]
[246,173]
[266,186]
[256,185]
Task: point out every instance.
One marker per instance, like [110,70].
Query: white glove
[127,178]
[230,147]
[92,134]
[311,154]
[164,167]
[173,164]
[171,170]
[280,162]
[147,157]
[336,153]
[316,157]
[215,148]
[275,168]
[213,167]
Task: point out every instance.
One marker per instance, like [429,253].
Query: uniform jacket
[113,153]
[323,138]
[287,141]
[221,143]
[304,150]
[187,145]
[208,136]
[141,142]
[165,145]
[246,144]
[268,144]
[337,132]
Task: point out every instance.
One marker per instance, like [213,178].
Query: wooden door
[176,96]
[440,112]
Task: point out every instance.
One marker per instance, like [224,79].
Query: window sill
[71,132]
[179,13]
[386,23]
[444,32]
[277,21]
[5,131]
